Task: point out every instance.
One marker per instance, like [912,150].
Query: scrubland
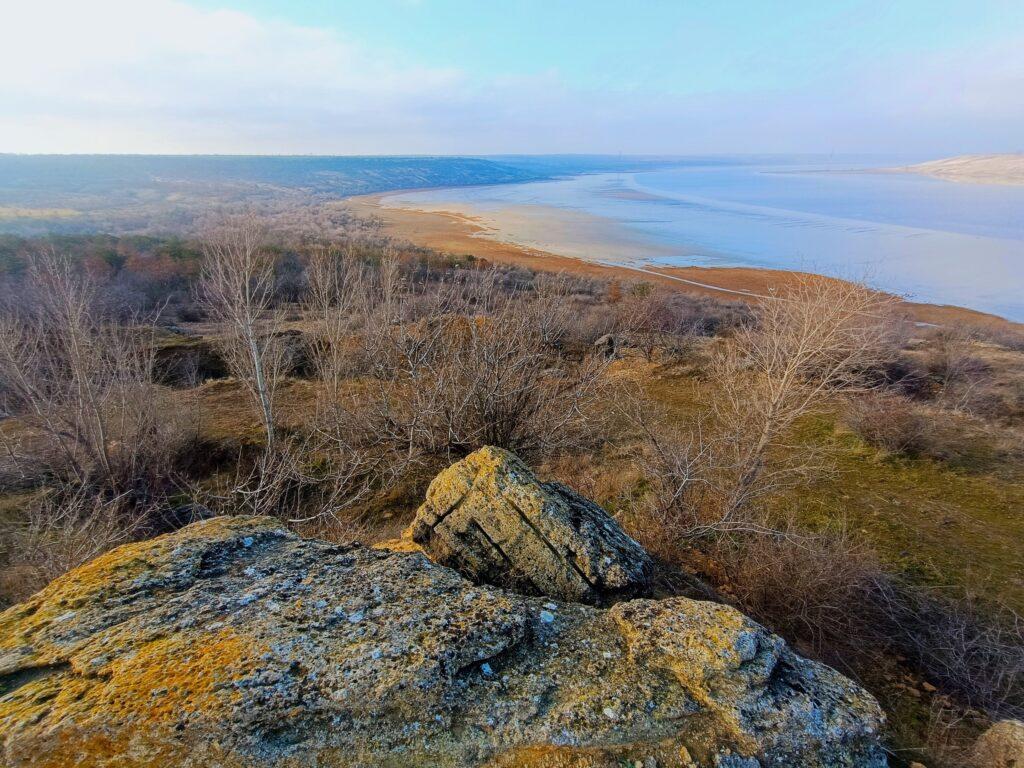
[847,477]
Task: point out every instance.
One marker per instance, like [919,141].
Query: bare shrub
[1009,337]
[807,586]
[553,311]
[827,592]
[952,365]
[62,530]
[446,367]
[974,649]
[453,384]
[650,321]
[889,422]
[81,387]
[958,439]
[949,738]
[309,481]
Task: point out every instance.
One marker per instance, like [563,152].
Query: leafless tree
[237,289]
[80,385]
[336,305]
[816,338]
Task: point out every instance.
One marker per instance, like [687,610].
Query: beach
[462,232]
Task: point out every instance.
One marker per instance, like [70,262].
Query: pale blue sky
[673,46]
[453,76]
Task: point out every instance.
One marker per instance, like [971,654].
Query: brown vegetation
[690,419]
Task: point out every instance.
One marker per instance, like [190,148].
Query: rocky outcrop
[489,518]
[1001,746]
[233,642]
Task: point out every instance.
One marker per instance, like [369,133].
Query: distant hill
[121,194]
[974,169]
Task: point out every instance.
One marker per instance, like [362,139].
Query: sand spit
[973,169]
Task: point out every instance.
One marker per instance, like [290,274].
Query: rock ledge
[233,642]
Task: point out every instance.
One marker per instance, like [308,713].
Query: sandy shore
[456,232]
[973,169]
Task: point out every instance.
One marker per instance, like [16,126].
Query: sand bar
[973,169]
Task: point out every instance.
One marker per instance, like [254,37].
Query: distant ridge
[973,169]
[133,194]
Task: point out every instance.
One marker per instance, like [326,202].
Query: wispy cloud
[165,76]
[124,75]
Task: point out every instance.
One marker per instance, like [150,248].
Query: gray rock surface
[233,642]
[491,519]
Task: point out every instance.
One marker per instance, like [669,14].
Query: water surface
[927,239]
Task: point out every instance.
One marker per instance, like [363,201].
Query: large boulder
[233,642]
[492,520]
[1001,746]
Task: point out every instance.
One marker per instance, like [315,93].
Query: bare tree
[816,338]
[335,302]
[237,289]
[80,385]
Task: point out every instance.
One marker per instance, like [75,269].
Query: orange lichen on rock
[174,677]
[666,754]
[234,642]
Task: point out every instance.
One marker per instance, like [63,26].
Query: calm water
[930,240]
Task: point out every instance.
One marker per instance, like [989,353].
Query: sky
[922,77]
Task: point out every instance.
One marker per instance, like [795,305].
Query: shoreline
[459,233]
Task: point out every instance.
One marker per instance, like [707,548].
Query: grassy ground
[941,525]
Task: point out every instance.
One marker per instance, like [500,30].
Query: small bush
[808,587]
[950,359]
[889,422]
[960,440]
[61,530]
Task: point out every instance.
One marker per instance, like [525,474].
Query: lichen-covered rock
[1001,746]
[234,643]
[489,518]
